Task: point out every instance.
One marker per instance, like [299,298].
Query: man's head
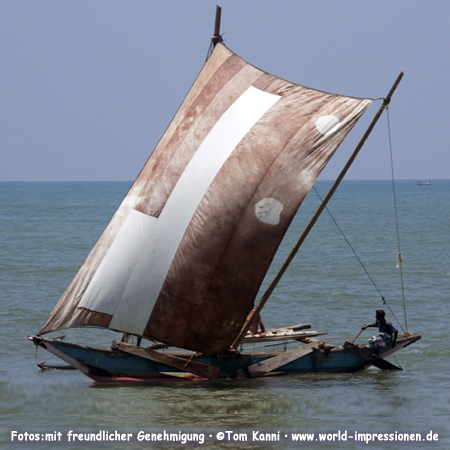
[380,314]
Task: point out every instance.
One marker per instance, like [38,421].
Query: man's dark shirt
[384,327]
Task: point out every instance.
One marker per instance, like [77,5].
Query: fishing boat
[178,268]
[424,183]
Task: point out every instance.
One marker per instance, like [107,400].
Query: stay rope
[350,245]
[399,257]
[359,260]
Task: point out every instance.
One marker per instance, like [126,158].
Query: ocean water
[47,230]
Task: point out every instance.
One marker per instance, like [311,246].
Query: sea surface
[48,229]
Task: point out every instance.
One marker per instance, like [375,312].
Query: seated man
[387,332]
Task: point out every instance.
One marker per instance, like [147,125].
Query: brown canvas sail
[184,256]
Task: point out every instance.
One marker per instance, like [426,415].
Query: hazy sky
[88,87]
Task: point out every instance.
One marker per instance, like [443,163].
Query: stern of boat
[403,341]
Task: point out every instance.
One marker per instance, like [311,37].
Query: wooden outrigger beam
[274,363]
[185,365]
[317,214]
[366,356]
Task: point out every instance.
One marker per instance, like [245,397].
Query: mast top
[217,37]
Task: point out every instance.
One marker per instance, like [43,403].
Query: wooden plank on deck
[275,362]
[185,365]
[277,335]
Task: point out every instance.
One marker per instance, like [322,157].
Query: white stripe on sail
[131,275]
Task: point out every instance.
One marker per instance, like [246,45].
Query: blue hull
[106,365]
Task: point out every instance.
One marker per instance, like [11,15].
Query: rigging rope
[360,261]
[399,257]
[350,245]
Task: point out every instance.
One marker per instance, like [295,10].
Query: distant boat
[424,183]
[181,262]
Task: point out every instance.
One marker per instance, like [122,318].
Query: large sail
[185,254]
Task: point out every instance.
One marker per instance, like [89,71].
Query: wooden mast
[317,214]
[217,37]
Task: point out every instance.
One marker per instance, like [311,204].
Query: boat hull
[109,365]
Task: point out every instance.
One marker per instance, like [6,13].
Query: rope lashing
[383,299]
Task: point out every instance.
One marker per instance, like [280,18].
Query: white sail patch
[132,273]
[327,124]
[268,210]
[114,273]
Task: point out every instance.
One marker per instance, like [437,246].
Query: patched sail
[185,254]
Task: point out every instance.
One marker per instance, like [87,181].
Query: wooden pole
[357,336]
[317,214]
[216,37]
